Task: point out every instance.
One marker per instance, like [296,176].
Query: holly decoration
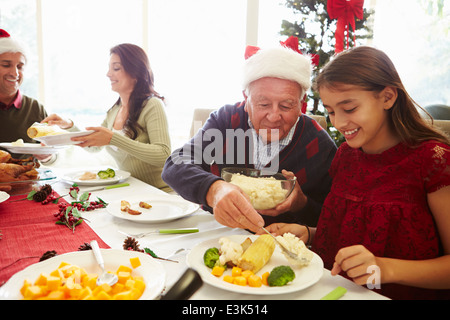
[131,244]
[69,214]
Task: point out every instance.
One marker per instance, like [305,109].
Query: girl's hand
[354,261]
[101,137]
[295,202]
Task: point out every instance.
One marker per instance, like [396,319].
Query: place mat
[28,230]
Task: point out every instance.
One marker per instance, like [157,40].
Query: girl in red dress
[389,204]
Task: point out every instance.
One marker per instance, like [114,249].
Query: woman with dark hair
[135,131]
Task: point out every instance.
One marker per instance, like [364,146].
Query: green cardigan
[145,156]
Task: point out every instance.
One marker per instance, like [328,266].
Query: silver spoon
[105,277]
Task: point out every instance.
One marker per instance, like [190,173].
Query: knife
[114,186]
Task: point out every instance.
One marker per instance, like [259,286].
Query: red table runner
[28,230]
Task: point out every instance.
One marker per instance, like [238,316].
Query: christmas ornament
[345,12]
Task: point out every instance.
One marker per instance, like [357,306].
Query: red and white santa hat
[283,62]
[8,44]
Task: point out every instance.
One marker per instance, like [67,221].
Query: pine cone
[40,196]
[47,189]
[85,246]
[48,255]
[131,244]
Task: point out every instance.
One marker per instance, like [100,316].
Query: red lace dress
[380,201]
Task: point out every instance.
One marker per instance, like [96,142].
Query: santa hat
[7,44]
[281,62]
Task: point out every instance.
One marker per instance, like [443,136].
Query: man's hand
[232,207]
[54,119]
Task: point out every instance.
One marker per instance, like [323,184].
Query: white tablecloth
[107,226]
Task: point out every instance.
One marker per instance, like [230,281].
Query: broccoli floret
[210,257]
[280,276]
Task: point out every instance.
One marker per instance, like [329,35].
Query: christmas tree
[316,32]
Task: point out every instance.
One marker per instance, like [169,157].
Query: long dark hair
[372,70]
[135,62]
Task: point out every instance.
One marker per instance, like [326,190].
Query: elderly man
[17,111]
[266,131]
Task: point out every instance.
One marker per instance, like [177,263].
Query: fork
[292,255]
[160,231]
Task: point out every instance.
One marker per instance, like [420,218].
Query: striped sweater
[308,155]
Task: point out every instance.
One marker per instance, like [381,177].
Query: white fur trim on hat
[282,63]
[10,45]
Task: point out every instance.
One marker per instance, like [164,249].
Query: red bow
[4,34]
[345,11]
[291,43]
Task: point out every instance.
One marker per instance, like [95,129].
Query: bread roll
[42,130]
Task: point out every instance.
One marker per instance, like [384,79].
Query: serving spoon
[105,277]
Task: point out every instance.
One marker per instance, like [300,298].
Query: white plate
[304,276]
[30,148]
[152,271]
[3,196]
[74,177]
[63,139]
[164,208]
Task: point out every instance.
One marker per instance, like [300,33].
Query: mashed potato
[230,251]
[264,193]
[295,245]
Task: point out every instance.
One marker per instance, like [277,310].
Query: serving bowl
[265,191]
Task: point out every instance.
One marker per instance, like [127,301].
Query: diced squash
[240,280]
[236,271]
[102,295]
[123,276]
[264,277]
[53,283]
[124,295]
[218,271]
[26,284]
[247,273]
[56,295]
[228,278]
[85,293]
[129,284]
[254,281]
[33,292]
[139,284]
[135,262]
[42,280]
[123,268]
[118,287]
[72,282]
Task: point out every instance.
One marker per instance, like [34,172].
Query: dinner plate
[62,139]
[3,196]
[304,276]
[30,148]
[74,177]
[164,208]
[152,271]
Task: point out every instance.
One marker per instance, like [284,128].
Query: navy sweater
[192,169]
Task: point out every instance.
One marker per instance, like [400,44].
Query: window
[196,48]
